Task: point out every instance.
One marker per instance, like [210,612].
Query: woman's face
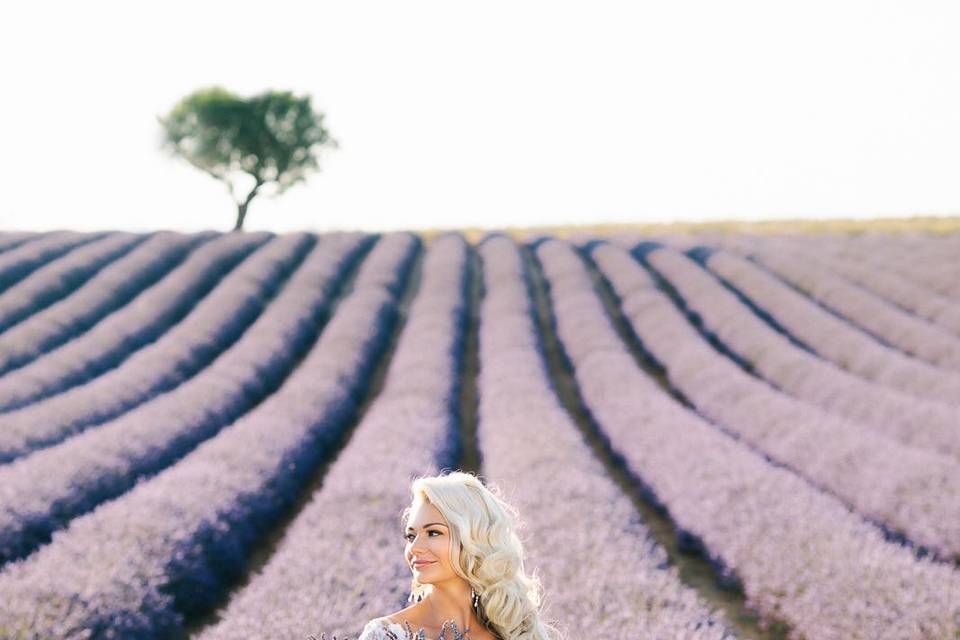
[428,541]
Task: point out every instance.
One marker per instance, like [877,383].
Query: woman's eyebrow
[429,524]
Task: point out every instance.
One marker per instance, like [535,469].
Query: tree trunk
[242,206]
[241,214]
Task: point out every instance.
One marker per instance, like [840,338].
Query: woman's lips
[420,565]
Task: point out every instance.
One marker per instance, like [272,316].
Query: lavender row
[43,491]
[626,588]
[107,291]
[911,491]
[873,258]
[168,548]
[770,355]
[938,309]
[935,270]
[932,272]
[928,263]
[893,326]
[13,239]
[212,326]
[915,260]
[800,555]
[18,262]
[868,267]
[49,283]
[143,320]
[830,337]
[411,428]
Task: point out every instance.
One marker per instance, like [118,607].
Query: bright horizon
[512,114]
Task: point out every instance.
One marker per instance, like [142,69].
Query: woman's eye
[410,536]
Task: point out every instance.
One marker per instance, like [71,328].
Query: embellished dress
[383,629]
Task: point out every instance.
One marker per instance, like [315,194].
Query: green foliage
[273,137]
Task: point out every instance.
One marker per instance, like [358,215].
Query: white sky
[492,113]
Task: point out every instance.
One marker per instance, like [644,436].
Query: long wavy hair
[486,551]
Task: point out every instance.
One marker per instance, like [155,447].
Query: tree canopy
[274,137]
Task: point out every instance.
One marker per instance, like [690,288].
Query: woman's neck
[451,601]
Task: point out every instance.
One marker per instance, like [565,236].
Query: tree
[273,137]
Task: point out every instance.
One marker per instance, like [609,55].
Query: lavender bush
[215,323]
[913,491]
[796,478]
[931,264]
[22,258]
[12,239]
[135,566]
[933,267]
[318,580]
[120,334]
[104,293]
[800,554]
[895,327]
[910,420]
[610,577]
[57,278]
[831,337]
[899,290]
[41,492]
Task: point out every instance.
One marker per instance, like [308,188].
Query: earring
[476,599]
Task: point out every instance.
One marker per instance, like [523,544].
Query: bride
[467,563]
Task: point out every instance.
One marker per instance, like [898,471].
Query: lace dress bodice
[383,629]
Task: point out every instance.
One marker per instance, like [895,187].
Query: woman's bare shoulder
[410,614]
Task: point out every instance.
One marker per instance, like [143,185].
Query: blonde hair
[490,558]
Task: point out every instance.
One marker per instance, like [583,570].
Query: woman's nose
[417,544]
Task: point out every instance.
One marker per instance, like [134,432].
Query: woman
[467,563]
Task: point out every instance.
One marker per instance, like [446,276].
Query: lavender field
[708,436]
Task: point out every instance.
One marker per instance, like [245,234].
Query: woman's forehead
[423,513]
